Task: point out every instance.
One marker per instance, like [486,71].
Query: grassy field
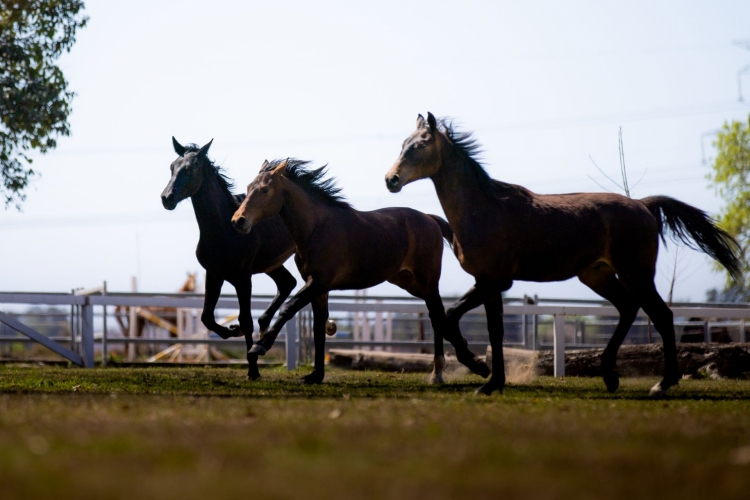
[208,433]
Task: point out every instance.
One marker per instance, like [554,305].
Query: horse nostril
[393,181]
[239,221]
[167,200]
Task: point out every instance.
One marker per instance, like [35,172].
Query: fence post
[743,335]
[706,332]
[104,327]
[87,334]
[291,344]
[559,345]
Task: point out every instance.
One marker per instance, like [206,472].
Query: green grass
[209,433]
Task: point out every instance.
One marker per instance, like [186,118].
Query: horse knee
[288,285]
[263,323]
[246,324]
[208,320]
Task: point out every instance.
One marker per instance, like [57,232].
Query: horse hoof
[483,370]
[331,328]
[657,391]
[257,349]
[612,381]
[234,331]
[436,379]
[313,379]
[475,366]
[253,376]
[487,389]
[660,389]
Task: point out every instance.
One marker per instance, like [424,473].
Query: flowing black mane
[469,149]
[311,180]
[225,183]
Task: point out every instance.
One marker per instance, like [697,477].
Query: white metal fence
[371,321]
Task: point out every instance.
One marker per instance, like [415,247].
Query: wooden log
[355,359]
[698,360]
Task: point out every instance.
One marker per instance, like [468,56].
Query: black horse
[225,254]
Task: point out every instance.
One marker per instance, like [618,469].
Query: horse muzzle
[393,183]
[169,201]
[242,224]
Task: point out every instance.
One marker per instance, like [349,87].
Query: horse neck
[213,207]
[460,189]
[300,213]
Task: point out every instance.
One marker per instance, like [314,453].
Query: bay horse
[225,254]
[340,248]
[504,232]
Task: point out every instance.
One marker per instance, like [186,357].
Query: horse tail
[696,229]
[445,228]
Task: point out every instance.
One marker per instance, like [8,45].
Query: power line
[743,44]
[569,122]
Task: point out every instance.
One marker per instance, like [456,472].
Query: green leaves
[731,178]
[34,96]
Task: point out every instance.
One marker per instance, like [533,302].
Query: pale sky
[544,85]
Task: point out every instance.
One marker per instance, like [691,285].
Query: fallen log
[696,360]
[357,359]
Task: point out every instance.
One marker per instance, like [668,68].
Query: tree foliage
[34,96]
[731,178]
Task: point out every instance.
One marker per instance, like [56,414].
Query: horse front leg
[452,333]
[210,299]
[494,310]
[244,297]
[306,294]
[320,319]
[285,283]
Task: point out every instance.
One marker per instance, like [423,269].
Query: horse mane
[225,183]
[312,181]
[469,150]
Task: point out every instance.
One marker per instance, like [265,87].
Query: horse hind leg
[285,283]
[606,284]
[663,319]
[406,280]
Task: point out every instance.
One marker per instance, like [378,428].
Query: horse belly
[556,264]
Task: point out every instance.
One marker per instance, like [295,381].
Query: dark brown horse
[504,232]
[223,253]
[340,248]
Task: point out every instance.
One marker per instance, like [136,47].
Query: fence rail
[81,344]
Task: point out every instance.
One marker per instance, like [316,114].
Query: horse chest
[218,259]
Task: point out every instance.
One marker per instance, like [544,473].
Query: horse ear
[178,148]
[204,150]
[431,120]
[420,121]
[263,167]
[281,167]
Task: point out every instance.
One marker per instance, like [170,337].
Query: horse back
[362,249]
[555,237]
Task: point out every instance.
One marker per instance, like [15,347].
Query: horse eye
[264,190]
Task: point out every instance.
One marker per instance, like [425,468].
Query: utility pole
[743,44]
